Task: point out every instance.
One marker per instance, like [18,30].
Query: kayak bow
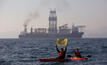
[75,58]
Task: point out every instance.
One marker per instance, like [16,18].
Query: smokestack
[25,28]
[31,30]
[25,25]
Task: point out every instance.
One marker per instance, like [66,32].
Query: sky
[91,13]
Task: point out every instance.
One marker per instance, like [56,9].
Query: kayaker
[77,53]
[62,52]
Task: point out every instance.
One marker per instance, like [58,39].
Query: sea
[28,51]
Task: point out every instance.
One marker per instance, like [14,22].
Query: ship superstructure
[53,31]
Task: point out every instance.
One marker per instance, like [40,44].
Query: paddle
[89,56]
[69,56]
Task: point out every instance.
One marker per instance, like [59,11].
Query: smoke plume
[31,16]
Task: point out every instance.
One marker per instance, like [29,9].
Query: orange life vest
[61,53]
[77,52]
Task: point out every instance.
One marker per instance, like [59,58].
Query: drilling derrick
[52,22]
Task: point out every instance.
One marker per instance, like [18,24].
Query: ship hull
[79,35]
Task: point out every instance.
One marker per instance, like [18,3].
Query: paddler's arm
[65,48]
[57,48]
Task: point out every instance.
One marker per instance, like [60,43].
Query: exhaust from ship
[31,16]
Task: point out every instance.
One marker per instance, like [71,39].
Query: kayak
[52,60]
[61,60]
[75,58]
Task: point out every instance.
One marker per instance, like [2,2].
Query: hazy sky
[92,13]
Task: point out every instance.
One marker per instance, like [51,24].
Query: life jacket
[61,53]
[77,52]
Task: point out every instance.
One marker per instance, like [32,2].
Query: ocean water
[28,51]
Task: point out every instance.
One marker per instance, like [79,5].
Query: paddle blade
[89,56]
[62,42]
[69,56]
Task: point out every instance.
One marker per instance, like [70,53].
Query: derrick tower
[52,22]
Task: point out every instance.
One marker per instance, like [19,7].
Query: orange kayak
[75,58]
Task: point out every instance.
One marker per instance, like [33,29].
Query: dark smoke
[31,16]
[26,22]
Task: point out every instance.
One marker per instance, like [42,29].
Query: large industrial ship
[52,32]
